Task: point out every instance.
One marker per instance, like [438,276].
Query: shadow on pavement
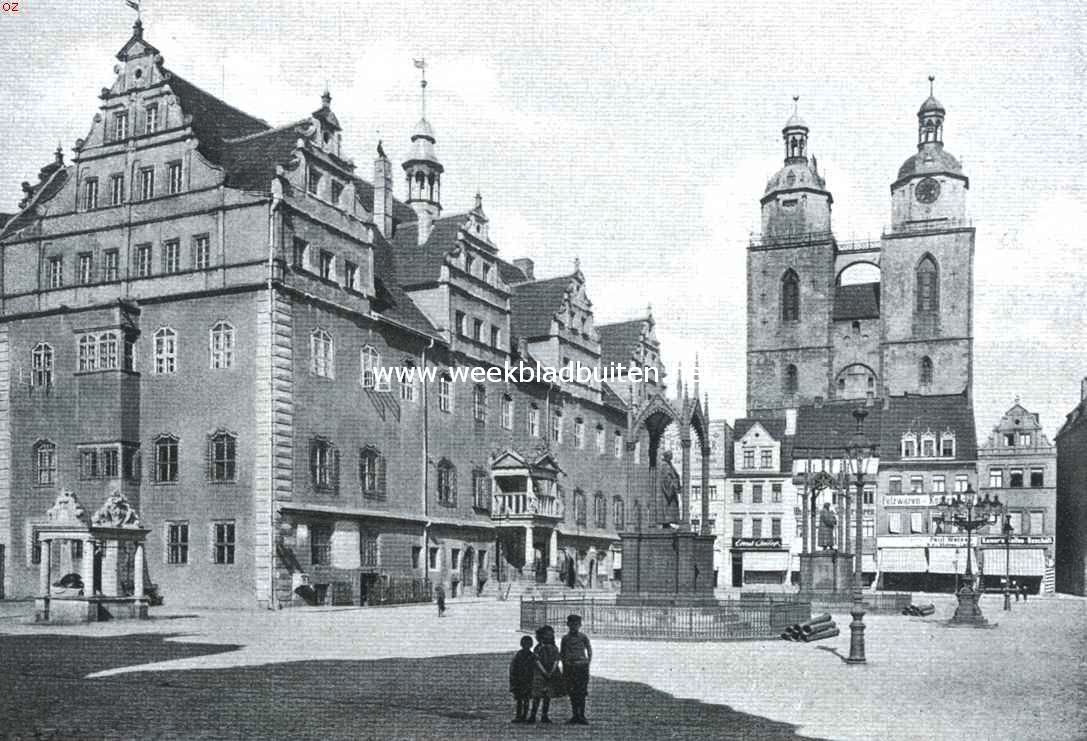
[43,693]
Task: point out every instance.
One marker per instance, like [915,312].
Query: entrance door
[467,565]
[737,569]
[592,573]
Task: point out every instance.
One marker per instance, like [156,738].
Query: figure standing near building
[547,679]
[522,668]
[576,654]
[439,597]
[827,522]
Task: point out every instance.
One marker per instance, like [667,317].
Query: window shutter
[336,470]
[313,462]
[452,485]
[210,462]
[379,461]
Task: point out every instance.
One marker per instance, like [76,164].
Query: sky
[638,138]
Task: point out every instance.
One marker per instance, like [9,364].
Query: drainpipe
[277,199]
[424,555]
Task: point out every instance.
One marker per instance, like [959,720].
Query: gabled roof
[826,430]
[857,301]
[618,341]
[775,428]
[610,398]
[510,273]
[212,119]
[533,304]
[40,193]
[422,263]
[934,414]
[391,300]
[250,162]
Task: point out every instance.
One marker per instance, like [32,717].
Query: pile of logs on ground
[919,610]
[816,629]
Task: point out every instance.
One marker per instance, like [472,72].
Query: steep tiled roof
[42,193]
[402,212]
[857,301]
[422,263]
[251,161]
[826,430]
[610,398]
[775,428]
[510,273]
[929,413]
[212,119]
[391,300]
[533,304]
[617,341]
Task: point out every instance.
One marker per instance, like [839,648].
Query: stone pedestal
[968,612]
[826,571]
[667,567]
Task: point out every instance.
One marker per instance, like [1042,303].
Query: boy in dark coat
[576,653]
[521,670]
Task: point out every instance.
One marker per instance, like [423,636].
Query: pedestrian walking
[522,669]
[1015,589]
[1023,588]
[547,681]
[439,597]
[576,653]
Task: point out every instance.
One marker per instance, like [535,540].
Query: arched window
[580,515]
[166,458]
[88,353]
[556,426]
[165,340]
[222,457]
[533,420]
[41,365]
[579,433]
[372,472]
[322,354]
[926,371]
[107,351]
[790,379]
[221,342]
[447,483]
[790,296]
[45,463]
[324,464]
[445,392]
[928,286]
[407,385]
[507,411]
[479,403]
[369,359]
[600,510]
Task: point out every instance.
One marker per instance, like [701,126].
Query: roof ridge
[216,98]
[266,132]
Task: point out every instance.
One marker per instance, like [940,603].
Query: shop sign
[910,500]
[757,543]
[1017,540]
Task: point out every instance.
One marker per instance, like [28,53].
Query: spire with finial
[697,375]
[931,81]
[420,64]
[479,200]
[930,118]
[795,135]
[679,381]
[326,97]
[577,264]
[59,154]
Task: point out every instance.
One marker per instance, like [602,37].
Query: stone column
[45,570]
[64,558]
[530,550]
[685,490]
[137,576]
[706,489]
[88,567]
[553,558]
[109,568]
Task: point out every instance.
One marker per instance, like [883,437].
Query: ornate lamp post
[1007,558]
[969,513]
[859,454]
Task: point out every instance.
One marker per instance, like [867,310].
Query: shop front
[1022,560]
[759,561]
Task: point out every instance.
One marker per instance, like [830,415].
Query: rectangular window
[314,182]
[432,559]
[749,458]
[151,119]
[143,260]
[477,330]
[201,252]
[108,459]
[130,459]
[947,447]
[147,183]
[917,522]
[88,464]
[738,493]
[713,492]
[556,427]
[111,258]
[86,268]
[756,494]
[445,393]
[120,125]
[962,481]
[320,545]
[166,459]
[1025,439]
[368,549]
[579,434]
[868,527]
[737,527]
[1009,439]
[507,412]
[462,324]
[222,458]
[894,523]
[416,554]
[775,493]
[326,265]
[337,192]
[618,444]
[869,495]
[766,459]
[496,337]
[90,194]
[1015,478]
[171,256]
[601,444]
[350,275]
[1037,476]
[174,172]
[917,484]
[165,350]
[534,421]
[56,272]
[298,253]
[894,485]
[909,448]
[1037,523]
[938,484]
[775,527]
[177,542]
[481,490]
[756,527]
[996,478]
[116,189]
[45,461]
[224,542]
[928,447]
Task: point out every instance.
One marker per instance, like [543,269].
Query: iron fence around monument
[890,603]
[728,620]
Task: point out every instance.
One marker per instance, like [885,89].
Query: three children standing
[536,674]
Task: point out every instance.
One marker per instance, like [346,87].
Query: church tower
[423,170]
[927,266]
[790,277]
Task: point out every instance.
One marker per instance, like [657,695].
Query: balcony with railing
[523,505]
[789,239]
[927,227]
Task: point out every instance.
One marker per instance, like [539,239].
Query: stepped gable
[533,305]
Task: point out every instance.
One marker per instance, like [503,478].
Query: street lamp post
[1007,559]
[858,453]
[969,513]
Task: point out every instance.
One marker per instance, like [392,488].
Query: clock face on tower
[927,191]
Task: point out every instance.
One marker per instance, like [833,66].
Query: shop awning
[766,561]
[1024,562]
[868,563]
[902,560]
[950,561]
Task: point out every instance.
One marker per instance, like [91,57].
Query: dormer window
[947,445]
[314,183]
[151,119]
[909,445]
[337,192]
[928,445]
[486,270]
[120,125]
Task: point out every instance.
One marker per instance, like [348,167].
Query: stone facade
[194,311]
[1071,525]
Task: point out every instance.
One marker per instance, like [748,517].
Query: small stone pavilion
[92,567]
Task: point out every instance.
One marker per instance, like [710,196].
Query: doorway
[738,569]
[467,568]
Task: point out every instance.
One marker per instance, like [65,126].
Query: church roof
[533,304]
[796,175]
[619,340]
[857,301]
[931,105]
[932,158]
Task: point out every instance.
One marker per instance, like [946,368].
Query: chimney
[790,422]
[424,224]
[383,195]
[527,267]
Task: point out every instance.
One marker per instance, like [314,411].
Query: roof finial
[577,264]
[679,381]
[796,104]
[420,64]
[931,80]
[326,97]
[696,375]
[649,309]
[479,200]
[59,154]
